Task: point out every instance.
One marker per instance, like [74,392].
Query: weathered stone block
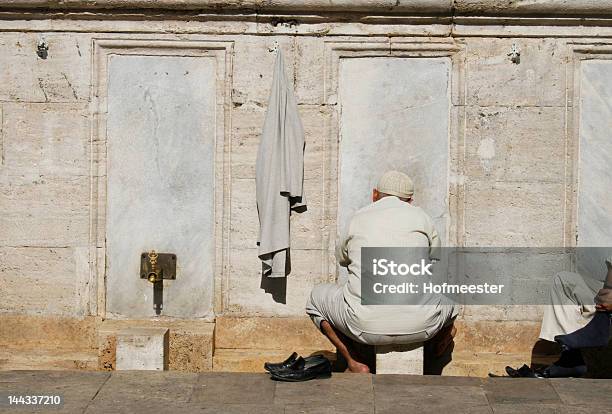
[44,210]
[142,349]
[309,76]
[244,227]
[46,139]
[268,333]
[511,313]
[247,124]
[247,297]
[38,281]
[400,359]
[493,80]
[64,76]
[191,349]
[495,336]
[44,331]
[254,53]
[515,144]
[499,214]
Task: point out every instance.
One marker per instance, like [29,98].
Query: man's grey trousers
[572,304]
[327,302]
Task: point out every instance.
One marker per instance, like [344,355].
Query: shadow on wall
[277,286]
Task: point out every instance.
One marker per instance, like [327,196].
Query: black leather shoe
[293,364]
[557,371]
[273,366]
[304,370]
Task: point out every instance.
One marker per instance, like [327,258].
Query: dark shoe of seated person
[304,370]
[570,364]
[291,362]
[272,366]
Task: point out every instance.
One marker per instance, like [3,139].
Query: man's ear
[375,195]
[410,200]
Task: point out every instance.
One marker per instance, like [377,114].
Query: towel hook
[274,47]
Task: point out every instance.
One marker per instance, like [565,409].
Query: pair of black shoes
[551,371]
[295,368]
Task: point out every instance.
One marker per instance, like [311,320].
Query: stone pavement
[227,393]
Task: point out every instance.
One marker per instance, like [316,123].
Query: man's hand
[603,300]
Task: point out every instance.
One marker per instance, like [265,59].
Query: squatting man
[577,313]
[391,220]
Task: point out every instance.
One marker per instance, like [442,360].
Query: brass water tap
[154,275]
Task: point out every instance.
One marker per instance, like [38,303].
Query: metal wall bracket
[157,266]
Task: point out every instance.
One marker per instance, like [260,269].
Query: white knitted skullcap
[396,183]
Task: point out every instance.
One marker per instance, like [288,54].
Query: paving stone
[224,388]
[392,380]
[520,390]
[146,387]
[429,408]
[329,407]
[575,391]
[237,408]
[228,393]
[428,393]
[76,388]
[179,407]
[345,392]
[538,409]
[399,394]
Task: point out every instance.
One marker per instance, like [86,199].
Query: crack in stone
[42,88]
[70,85]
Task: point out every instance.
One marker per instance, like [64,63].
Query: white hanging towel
[280,173]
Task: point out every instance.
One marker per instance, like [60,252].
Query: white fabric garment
[280,173]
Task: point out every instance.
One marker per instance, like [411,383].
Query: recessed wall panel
[594,217]
[394,115]
[160,188]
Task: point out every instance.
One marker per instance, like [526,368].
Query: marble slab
[161,140]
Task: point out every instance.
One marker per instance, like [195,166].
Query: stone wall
[513,137]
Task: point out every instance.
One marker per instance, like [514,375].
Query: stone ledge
[47,332]
[268,333]
[433,7]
